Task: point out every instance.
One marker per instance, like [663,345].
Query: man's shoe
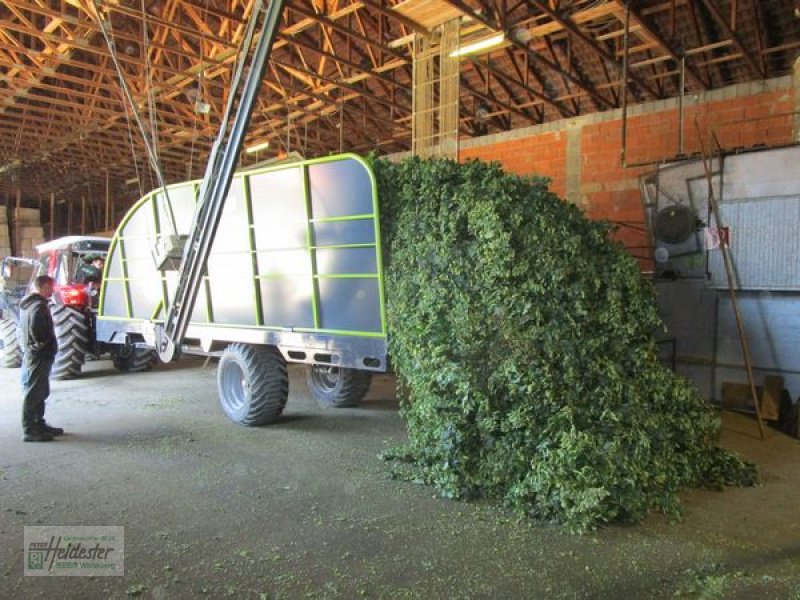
[37,436]
[54,431]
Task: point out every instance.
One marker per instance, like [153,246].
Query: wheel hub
[325,377]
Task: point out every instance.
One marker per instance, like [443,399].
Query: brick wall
[543,154]
[583,155]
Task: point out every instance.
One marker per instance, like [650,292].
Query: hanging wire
[191,148]
[133,149]
[341,127]
[148,72]
[199,97]
[276,135]
[127,94]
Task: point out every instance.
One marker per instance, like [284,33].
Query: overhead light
[132,180]
[257,147]
[522,35]
[9,166]
[484,44]
[202,108]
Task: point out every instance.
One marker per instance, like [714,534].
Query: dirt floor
[303,508]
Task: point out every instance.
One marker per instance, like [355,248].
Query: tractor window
[82,265]
[42,267]
[62,271]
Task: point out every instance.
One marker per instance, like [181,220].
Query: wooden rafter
[737,41]
[349,60]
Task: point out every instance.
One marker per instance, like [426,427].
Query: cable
[151,154]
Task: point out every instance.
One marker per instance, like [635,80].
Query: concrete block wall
[583,155]
[27,231]
[5,234]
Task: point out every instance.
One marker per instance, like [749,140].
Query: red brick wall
[610,191]
[543,154]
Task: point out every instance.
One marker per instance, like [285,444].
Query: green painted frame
[119,239]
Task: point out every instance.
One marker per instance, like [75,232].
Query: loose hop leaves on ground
[522,338]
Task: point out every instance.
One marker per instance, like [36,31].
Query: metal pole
[624,84]
[17,249]
[680,104]
[108,201]
[149,143]
[218,176]
[726,260]
[52,215]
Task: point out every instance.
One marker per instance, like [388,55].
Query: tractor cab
[75,262]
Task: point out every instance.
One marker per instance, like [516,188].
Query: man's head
[99,262]
[43,285]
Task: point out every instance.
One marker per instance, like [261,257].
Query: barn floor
[303,508]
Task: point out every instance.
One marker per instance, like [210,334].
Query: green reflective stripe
[209,306]
[251,234]
[378,250]
[348,276]
[312,255]
[115,318]
[281,249]
[282,276]
[119,246]
[111,248]
[321,276]
[339,246]
[159,234]
[343,218]
[157,310]
[125,288]
[369,334]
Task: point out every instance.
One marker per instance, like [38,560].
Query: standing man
[40,346]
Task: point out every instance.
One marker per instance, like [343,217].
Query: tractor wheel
[130,359]
[337,387]
[72,332]
[253,383]
[10,350]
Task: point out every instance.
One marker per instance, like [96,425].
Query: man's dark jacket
[38,336]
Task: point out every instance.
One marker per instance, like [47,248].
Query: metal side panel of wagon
[295,275]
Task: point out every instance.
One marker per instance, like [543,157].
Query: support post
[52,215]
[16,224]
[108,202]
[708,160]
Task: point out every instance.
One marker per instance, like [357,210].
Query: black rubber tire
[72,332]
[10,350]
[253,384]
[337,387]
[132,359]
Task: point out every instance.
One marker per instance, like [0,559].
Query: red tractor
[68,260]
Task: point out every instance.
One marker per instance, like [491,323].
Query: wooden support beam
[572,28]
[648,31]
[723,23]
[584,85]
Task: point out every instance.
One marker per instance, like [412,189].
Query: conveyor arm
[245,86]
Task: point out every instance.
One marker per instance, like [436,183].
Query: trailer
[294,274]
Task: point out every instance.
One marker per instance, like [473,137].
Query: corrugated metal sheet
[708,347]
[765,244]
[759,197]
